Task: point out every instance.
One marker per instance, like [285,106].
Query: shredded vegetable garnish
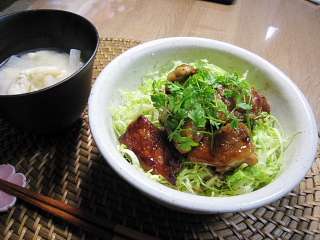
[195,99]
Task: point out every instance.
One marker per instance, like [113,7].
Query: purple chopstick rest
[8,173]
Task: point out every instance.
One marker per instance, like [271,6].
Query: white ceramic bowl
[287,103]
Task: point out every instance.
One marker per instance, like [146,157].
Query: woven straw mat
[70,168]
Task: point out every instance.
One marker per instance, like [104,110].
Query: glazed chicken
[152,148]
[258,103]
[190,132]
[229,149]
[226,149]
[182,73]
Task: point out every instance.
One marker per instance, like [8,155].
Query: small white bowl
[287,103]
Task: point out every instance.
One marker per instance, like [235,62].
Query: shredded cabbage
[201,179]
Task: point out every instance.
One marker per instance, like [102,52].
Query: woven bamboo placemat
[70,168]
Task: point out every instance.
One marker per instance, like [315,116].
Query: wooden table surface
[285,32]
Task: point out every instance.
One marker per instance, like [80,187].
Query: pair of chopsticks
[93,224]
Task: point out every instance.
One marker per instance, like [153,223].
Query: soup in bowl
[56,106]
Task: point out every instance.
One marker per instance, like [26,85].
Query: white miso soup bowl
[287,103]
